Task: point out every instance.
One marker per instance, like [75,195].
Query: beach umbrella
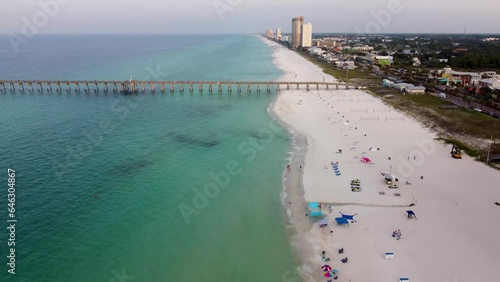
[328,274]
[326,268]
[331,273]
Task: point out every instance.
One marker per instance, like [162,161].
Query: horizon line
[251,33]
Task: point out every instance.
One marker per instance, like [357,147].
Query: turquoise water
[159,215]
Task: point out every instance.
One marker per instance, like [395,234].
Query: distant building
[416,62]
[387,83]
[306,33]
[490,39]
[296,31]
[414,89]
[345,64]
[489,74]
[363,48]
[286,38]
[278,33]
[402,86]
[490,82]
[384,60]
[316,51]
[458,77]
[269,33]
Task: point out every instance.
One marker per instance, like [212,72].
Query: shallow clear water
[151,160]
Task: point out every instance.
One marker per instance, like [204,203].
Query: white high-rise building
[306,35]
[278,33]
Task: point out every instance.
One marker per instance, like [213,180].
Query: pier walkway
[136,86]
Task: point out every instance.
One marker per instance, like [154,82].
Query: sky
[247,16]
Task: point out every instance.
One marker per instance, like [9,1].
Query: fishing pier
[136,86]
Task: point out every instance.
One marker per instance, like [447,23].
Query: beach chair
[389,255]
[404,279]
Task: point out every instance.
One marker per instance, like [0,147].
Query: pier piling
[135,86]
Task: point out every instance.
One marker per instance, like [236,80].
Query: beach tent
[411,214]
[365,160]
[314,209]
[341,221]
[348,217]
[323,222]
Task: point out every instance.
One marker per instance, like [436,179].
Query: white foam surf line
[296,158]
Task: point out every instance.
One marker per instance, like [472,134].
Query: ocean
[148,187]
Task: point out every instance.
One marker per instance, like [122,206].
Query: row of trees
[462,52]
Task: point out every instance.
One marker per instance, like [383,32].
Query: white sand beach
[456,236]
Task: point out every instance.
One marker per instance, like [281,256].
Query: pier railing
[136,86]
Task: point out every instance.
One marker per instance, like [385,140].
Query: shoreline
[450,188]
[292,194]
[293,202]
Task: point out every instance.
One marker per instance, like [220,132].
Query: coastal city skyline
[230,17]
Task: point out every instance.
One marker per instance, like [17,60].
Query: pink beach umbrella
[366,160]
[326,268]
